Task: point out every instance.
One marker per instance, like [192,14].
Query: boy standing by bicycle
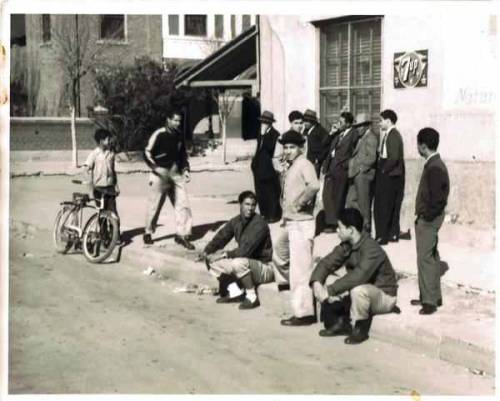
[100,168]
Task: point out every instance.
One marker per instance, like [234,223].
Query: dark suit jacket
[394,165]
[433,190]
[343,152]
[315,144]
[364,155]
[262,162]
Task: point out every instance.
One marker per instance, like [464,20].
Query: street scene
[251,204]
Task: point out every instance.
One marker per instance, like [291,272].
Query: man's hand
[201,256]
[187,175]
[320,291]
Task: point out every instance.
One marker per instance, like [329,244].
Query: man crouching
[369,279]
[250,262]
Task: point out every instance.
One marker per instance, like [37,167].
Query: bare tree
[225,99]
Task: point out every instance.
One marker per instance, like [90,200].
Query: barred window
[195,25]
[45,28]
[233,26]
[219,26]
[246,22]
[173,24]
[350,69]
[112,27]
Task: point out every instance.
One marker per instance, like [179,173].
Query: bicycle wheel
[61,235]
[100,236]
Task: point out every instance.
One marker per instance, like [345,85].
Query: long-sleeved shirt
[366,263]
[300,185]
[252,236]
[433,190]
[166,148]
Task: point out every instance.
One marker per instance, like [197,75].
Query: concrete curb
[385,328]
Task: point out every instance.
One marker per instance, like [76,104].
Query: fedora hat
[267,117]
[362,119]
[292,137]
[310,115]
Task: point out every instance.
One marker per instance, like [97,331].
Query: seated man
[369,279]
[250,262]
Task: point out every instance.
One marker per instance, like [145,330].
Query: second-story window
[112,27]
[219,26]
[45,28]
[246,22]
[173,24]
[195,25]
[233,26]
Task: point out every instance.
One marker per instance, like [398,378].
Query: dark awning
[225,67]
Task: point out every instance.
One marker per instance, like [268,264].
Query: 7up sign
[410,69]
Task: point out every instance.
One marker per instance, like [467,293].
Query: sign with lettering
[410,69]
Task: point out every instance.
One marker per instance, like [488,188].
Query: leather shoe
[427,309]
[184,242]
[418,302]
[360,332]
[382,241]
[146,238]
[247,304]
[283,287]
[228,300]
[338,329]
[394,239]
[299,321]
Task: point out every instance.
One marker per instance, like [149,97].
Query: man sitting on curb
[370,280]
[250,262]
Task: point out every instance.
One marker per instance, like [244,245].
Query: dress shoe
[229,300]
[184,242]
[247,304]
[418,302]
[405,236]
[146,238]
[340,328]
[382,241]
[360,332]
[394,239]
[283,287]
[427,309]
[443,267]
[299,321]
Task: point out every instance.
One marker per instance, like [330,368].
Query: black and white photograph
[248,198]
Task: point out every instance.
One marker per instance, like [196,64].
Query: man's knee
[360,292]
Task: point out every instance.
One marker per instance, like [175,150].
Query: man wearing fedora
[292,253]
[362,166]
[266,179]
[316,136]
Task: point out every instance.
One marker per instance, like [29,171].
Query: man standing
[362,170]
[335,169]
[369,279]
[389,180]
[316,136]
[432,197]
[292,254]
[266,178]
[250,261]
[166,155]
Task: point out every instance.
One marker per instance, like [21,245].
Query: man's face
[384,123]
[343,123]
[264,127]
[421,149]
[307,125]
[174,122]
[247,208]
[296,125]
[345,233]
[291,151]
[105,143]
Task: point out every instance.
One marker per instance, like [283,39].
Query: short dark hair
[347,116]
[351,218]
[245,195]
[295,115]
[101,134]
[174,112]
[428,136]
[389,114]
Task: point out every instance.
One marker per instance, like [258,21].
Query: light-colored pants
[366,300]
[292,257]
[261,272]
[359,197]
[174,187]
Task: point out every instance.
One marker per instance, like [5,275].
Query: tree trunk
[74,155]
[224,140]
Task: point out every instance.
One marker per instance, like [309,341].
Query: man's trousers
[359,196]
[239,267]
[334,196]
[389,193]
[268,193]
[174,187]
[292,257]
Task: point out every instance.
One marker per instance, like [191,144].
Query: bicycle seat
[80,198]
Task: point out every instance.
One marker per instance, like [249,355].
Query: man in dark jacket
[335,168]
[266,179]
[250,261]
[316,136]
[389,180]
[432,197]
[370,281]
[166,155]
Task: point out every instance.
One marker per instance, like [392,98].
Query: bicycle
[99,235]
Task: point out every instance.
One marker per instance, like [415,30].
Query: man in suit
[266,179]
[362,170]
[335,168]
[432,197]
[389,180]
[316,136]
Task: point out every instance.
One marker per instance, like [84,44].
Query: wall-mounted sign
[410,69]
